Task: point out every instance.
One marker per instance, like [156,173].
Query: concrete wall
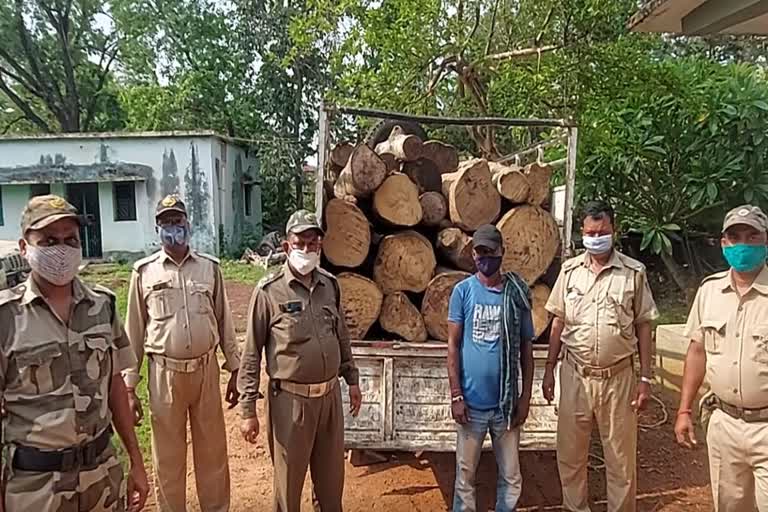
[183,165]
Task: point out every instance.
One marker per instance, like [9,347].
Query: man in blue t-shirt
[476,320]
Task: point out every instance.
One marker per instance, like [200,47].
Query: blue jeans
[469,446]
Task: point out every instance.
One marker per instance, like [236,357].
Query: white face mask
[598,244]
[303,262]
[57,264]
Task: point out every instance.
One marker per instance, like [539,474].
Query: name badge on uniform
[294,306]
[161,286]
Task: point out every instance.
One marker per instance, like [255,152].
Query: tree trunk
[434,208]
[362,175]
[399,316]
[539,177]
[405,262]
[396,201]
[531,239]
[434,307]
[361,300]
[445,157]
[347,237]
[402,146]
[472,198]
[510,182]
[455,246]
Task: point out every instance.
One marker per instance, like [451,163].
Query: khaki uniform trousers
[608,401]
[306,433]
[175,396]
[96,489]
[738,463]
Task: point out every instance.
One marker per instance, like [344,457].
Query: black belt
[27,458]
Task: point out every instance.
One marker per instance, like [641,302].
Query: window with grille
[124,195]
[247,205]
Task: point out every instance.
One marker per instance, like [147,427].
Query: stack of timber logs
[399,221]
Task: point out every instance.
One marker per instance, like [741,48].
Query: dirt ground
[670,479]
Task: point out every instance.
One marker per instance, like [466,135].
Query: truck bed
[406,400]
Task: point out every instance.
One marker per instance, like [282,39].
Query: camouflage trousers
[92,489]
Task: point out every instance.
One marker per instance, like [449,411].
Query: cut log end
[510,182]
[434,307]
[425,174]
[347,237]
[538,177]
[472,198]
[361,300]
[405,262]
[531,239]
[340,154]
[402,146]
[399,316]
[445,157]
[434,208]
[362,174]
[455,247]
[396,201]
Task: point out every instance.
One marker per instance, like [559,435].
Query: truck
[406,395]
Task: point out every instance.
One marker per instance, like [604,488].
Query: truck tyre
[380,132]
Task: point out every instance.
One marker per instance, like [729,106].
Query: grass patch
[241,272]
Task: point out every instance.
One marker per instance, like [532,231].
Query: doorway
[85,197]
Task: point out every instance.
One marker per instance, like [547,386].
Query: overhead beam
[714,16]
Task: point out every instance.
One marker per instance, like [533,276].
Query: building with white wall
[118,178]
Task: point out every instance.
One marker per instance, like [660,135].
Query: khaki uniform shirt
[302,331]
[600,311]
[179,311]
[734,331]
[56,378]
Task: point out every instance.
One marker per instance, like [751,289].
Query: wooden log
[347,237]
[390,162]
[434,208]
[362,175]
[455,246]
[510,182]
[472,198]
[361,300]
[434,306]
[405,262]
[539,177]
[340,154]
[541,317]
[445,157]
[531,239]
[399,316]
[396,201]
[402,146]
[425,174]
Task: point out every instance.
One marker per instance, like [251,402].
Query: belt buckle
[587,371]
[316,390]
[71,458]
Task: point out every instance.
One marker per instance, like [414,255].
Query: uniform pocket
[98,357]
[293,326]
[36,368]
[714,335]
[202,298]
[329,321]
[760,338]
[161,301]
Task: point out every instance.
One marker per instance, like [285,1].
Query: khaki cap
[746,214]
[301,221]
[170,203]
[44,210]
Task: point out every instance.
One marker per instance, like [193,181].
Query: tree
[55,63]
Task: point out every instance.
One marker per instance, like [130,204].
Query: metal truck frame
[406,396]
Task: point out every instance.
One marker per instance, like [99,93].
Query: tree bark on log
[425,174]
[396,201]
[362,175]
[405,262]
[445,157]
[539,177]
[455,246]
[399,316]
[347,237]
[510,182]
[531,239]
[361,300]
[472,198]
[434,208]
[434,307]
[541,317]
[402,146]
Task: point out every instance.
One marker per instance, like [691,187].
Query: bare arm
[347,369]
[527,366]
[250,361]
[226,326]
[135,328]
[123,420]
[693,374]
[555,343]
[645,348]
[455,333]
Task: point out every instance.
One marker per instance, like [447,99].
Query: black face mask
[488,265]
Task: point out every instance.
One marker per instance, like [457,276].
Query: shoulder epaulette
[143,261]
[715,276]
[269,278]
[12,294]
[209,257]
[103,289]
[631,262]
[327,274]
[573,262]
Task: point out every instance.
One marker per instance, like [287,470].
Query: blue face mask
[488,265]
[743,257]
[175,235]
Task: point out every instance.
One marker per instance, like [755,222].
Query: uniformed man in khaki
[178,314]
[728,329]
[295,317]
[62,347]
[603,310]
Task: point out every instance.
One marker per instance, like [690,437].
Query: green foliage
[241,272]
